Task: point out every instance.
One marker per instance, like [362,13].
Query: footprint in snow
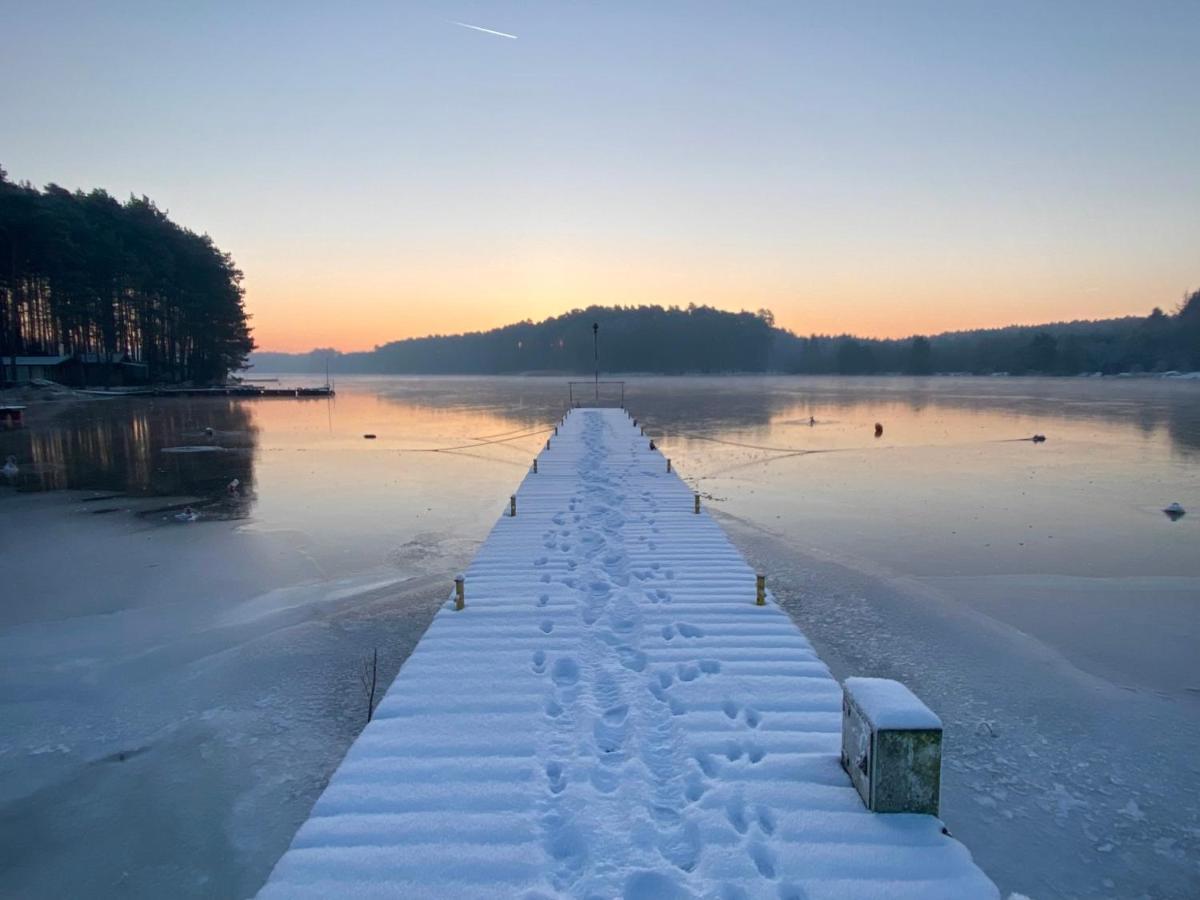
[766,820]
[543,600]
[547,626]
[735,812]
[554,775]
[689,631]
[540,561]
[709,766]
[682,847]
[764,859]
[539,661]
[668,632]
[634,660]
[615,715]
[565,671]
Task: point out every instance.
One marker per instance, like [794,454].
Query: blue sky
[882,168]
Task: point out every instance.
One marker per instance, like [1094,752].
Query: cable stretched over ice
[474,444]
[798,451]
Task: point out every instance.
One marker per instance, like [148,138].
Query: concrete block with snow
[891,746]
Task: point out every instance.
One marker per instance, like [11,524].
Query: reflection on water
[127,446]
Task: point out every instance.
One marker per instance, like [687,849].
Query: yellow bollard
[761,580]
[460,596]
[697,510]
[512,505]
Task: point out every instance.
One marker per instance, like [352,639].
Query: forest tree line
[86,276]
[700,339]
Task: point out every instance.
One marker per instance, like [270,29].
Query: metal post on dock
[668,464]
[556,431]
[547,443]
[512,505]
[697,509]
[460,595]
[596,353]
[761,585]
[535,465]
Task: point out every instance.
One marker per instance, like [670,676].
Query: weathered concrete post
[891,746]
[460,596]
[512,505]
[697,509]
[761,592]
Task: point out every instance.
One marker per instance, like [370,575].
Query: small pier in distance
[611,713]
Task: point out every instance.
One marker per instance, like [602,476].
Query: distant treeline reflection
[704,340]
[119,446]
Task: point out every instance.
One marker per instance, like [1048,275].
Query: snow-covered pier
[611,715]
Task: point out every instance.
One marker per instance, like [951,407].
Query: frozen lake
[175,695]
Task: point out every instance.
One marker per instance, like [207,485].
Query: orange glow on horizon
[297,320]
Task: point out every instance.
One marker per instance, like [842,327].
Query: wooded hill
[83,275]
[705,340]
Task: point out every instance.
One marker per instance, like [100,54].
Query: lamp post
[596,355]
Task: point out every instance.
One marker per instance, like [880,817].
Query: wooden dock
[610,715]
[236,390]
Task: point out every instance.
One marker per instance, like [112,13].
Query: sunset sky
[380,172]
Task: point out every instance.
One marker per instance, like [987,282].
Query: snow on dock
[611,715]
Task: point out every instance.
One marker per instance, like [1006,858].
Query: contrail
[503,34]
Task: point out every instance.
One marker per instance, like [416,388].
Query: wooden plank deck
[611,715]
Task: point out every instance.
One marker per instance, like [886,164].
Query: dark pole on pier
[596,354]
